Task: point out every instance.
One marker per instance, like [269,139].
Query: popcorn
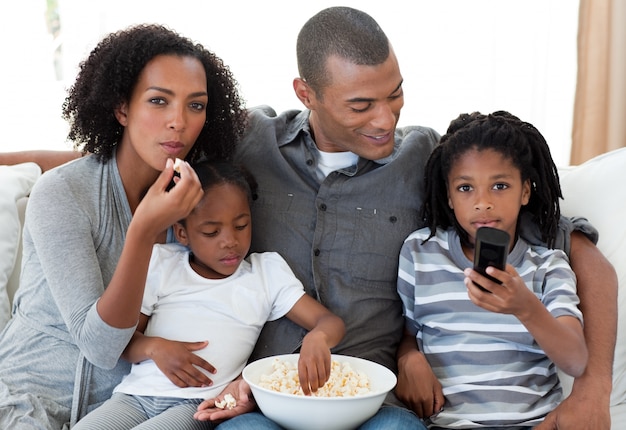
[177,163]
[343,381]
[229,402]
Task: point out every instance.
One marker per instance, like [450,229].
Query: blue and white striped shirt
[492,371]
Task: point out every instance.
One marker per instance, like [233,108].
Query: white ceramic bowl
[299,412]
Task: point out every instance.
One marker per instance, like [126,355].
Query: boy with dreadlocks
[490,355]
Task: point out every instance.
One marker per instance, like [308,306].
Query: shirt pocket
[377,240]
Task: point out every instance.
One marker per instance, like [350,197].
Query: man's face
[359,110]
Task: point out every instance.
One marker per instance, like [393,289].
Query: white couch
[595,190]
[15,185]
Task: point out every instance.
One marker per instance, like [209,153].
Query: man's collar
[301,124]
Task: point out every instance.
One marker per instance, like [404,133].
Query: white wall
[455,56]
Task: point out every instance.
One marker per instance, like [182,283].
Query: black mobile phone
[490,249]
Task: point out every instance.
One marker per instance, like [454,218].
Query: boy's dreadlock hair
[516,140]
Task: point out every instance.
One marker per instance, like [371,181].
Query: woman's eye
[157,101]
[241,227]
[464,188]
[500,186]
[197,106]
[210,233]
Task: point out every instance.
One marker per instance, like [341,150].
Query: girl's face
[486,189]
[166,111]
[218,231]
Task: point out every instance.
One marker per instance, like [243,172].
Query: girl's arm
[325,331]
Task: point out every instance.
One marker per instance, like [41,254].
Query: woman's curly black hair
[516,140]
[107,77]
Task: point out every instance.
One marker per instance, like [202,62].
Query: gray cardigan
[56,350]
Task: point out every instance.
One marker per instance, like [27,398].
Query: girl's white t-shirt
[229,313]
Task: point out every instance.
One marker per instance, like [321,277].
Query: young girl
[143,97]
[492,354]
[205,289]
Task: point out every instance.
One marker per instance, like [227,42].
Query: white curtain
[600,106]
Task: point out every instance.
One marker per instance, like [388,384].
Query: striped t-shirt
[492,371]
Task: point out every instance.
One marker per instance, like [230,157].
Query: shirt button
[323,207]
[393,219]
[309,162]
[316,252]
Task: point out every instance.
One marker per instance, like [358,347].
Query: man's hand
[240,390]
[586,408]
[44,158]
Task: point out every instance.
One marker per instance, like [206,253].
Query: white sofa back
[597,190]
[15,275]
[15,184]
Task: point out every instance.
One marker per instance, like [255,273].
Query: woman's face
[166,111]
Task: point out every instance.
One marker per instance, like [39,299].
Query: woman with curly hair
[143,97]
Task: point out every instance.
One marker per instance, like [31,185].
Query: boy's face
[218,231]
[486,189]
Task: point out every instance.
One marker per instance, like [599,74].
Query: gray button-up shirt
[341,236]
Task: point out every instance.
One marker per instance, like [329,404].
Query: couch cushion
[15,183]
[596,190]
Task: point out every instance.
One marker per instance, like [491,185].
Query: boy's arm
[561,337]
[417,387]
[46,159]
[587,407]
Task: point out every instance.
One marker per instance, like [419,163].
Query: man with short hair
[340,188]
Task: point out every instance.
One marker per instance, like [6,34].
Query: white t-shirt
[330,161]
[229,313]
